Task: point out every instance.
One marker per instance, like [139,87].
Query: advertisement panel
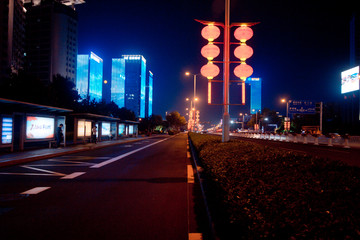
[131,129]
[7,130]
[84,128]
[105,129]
[39,127]
[350,80]
[121,128]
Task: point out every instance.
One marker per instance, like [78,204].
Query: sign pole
[226,116]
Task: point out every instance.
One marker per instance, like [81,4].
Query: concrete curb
[51,155]
[194,157]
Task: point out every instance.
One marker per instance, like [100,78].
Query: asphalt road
[349,156]
[129,191]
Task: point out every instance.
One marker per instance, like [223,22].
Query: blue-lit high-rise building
[149,94]
[135,84]
[89,76]
[255,94]
[118,81]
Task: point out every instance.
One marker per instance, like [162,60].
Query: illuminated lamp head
[243,33]
[210,70]
[243,71]
[210,32]
[243,52]
[210,51]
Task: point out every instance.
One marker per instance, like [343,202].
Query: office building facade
[135,84]
[89,76]
[51,38]
[12,37]
[149,94]
[118,81]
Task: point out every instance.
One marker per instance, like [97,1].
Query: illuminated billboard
[350,80]
[40,127]
[7,130]
[84,128]
[121,128]
[105,129]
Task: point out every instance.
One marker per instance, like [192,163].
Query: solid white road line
[73,175]
[125,155]
[43,170]
[190,173]
[35,190]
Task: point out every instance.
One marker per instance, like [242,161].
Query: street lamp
[243,119]
[287,106]
[195,98]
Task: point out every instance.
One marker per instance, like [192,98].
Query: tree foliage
[175,120]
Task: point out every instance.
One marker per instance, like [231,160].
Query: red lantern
[243,52]
[210,51]
[210,70]
[210,32]
[243,71]
[243,33]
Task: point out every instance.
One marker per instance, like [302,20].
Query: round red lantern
[243,52]
[210,70]
[243,71]
[210,32]
[210,51]
[243,33]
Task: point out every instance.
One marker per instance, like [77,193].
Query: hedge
[255,191]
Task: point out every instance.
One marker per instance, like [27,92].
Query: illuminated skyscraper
[135,84]
[118,81]
[12,36]
[89,76]
[149,94]
[51,38]
[255,94]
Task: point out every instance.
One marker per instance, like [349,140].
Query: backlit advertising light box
[39,127]
[105,129]
[7,130]
[350,80]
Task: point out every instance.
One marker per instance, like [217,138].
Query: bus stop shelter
[24,124]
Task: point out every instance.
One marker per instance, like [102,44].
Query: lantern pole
[226,115]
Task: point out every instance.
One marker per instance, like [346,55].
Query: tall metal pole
[226,116]
[194,100]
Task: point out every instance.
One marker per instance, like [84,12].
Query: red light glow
[210,32]
[243,33]
[243,71]
[210,70]
[210,51]
[243,52]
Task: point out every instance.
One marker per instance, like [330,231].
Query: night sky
[300,47]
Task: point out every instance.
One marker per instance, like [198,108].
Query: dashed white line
[73,175]
[195,236]
[35,190]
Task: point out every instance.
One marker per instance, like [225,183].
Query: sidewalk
[33,155]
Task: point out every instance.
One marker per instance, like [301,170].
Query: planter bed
[255,191]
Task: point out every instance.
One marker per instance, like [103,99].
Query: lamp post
[195,98]
[243,119]
[287,106]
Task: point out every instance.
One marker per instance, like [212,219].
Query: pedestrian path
[14,158]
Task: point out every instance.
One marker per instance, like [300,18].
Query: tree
[175,120]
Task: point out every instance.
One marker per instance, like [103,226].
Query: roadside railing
[345,141]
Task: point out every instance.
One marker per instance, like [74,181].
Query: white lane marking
[190,173]
[188,154]
[43,170]
[28,174]
[74,163]
[125,155]
[35,190]
[195,236]
[73,175]
[80,157]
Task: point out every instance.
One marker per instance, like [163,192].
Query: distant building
[255,94]
[149,94]
[89,76]
[118,81]
[51,38]
[12,37]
